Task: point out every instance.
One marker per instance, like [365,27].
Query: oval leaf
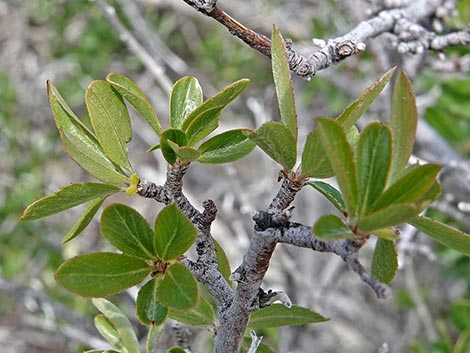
[403,120]
[85,219]
[134,95]
[385,261]
[373,157]
[110,120]
[278,315]
[176,350]
[283,82]
[444,234]
[149,310]
[178,288]
[120,322]
[67,197]
[175,135]
[355,110]
[174,233]
[202,314]
[315,163]
[333,195]
[226,147]
[387,217]
[341,157]
[128,231]
[184,154]
[101,274]
[203,125]
[331,227]
[277,141]
[221,99]
[186,95]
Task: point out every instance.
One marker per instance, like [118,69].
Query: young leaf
[120,322]
[444,234]
[283,82]
[69,196]
[222,261]
[128,231]
[341,157]
[403,121]
[385,261]
[386,233]
[277,315]
[101,274]
[134,95]
[178,288]
[355,110]
[409,188]
[331,227]
[202,314]
[315,163]
[85,219]
[221,99]
[153,336]
[373,156]
[226,147]
[107,330]
[203,125]
[174,233]
[176,350]
[185,154]
[110,120]
[391,215]
[186,95]
[175,135]
[333,195]
[79,143]
[148,308]
[277,141]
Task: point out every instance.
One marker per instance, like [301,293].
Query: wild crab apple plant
[378,190]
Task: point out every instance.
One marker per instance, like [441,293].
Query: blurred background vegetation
[72,42]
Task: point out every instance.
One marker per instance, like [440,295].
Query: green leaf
[153,336]
[101,274]
[221,99]
[355,110]
[444,234]
[186,95]
[385,261]
[110,120]
[386,233]
[276,140]
[283,82]
[120,322]
[175,135]
[128,231]
[174,233]
[226,147]
[134,95]
[411,187]
[85,219]
[404,118]
[184,154]
[176,350]
[333,195]
[107,330]
[79,143]
[341,157]
[389,216]
[203,125]
[148,308]
[331,227]
[315,163]
[222,261]
[373,156]
[202,314]
[277,315]
[69,196]
[262,348]
[178,288]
